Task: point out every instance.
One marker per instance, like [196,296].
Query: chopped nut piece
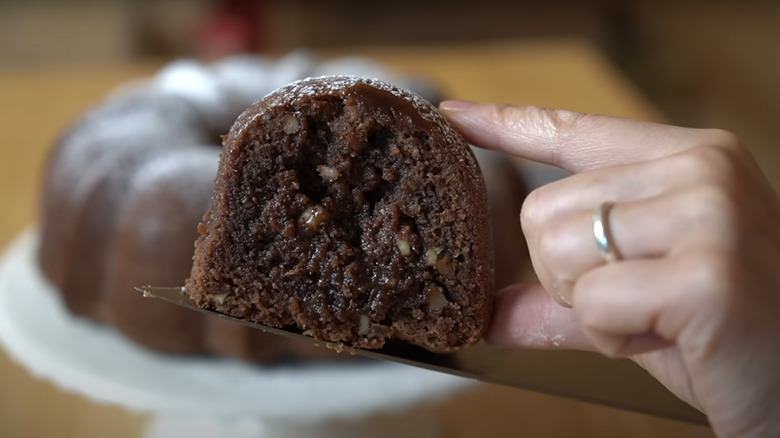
[339,347]
[432,255]
[444,266]
[328,173]
[291,125]
[434,297]
[289,229]
[440,259]
[312,217]
[218,298]
[364,324]
[404,247]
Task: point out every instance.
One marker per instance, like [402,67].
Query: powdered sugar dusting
[339,83]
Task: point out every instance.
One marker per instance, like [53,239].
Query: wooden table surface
[36,103]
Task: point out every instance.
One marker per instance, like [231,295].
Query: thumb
[525,316]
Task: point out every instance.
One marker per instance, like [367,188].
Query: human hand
[695,296]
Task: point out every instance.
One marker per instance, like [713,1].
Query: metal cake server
[583,376]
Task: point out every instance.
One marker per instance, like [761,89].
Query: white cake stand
[207,397]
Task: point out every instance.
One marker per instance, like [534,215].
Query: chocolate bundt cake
[351,209]
[128,183]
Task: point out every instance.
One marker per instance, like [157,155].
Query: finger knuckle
[508,118]
[530,212]
[721,138]
[551,247]
[709,164]
[712,209]
[591,320]
[505,114]
[560,121]
[539,206]
[591,311]
[558,126]
[711,275]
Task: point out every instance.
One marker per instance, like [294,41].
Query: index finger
[574,141]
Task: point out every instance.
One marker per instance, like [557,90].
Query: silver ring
[603,233]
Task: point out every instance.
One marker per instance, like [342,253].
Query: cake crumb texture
[351,209]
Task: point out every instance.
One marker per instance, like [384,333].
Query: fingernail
[456,105]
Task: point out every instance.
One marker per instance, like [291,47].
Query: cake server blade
[584,376]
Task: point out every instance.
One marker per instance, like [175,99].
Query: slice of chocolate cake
[351,209]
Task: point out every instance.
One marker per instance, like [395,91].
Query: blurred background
[702,63]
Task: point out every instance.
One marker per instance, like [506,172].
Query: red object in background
[233,27]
